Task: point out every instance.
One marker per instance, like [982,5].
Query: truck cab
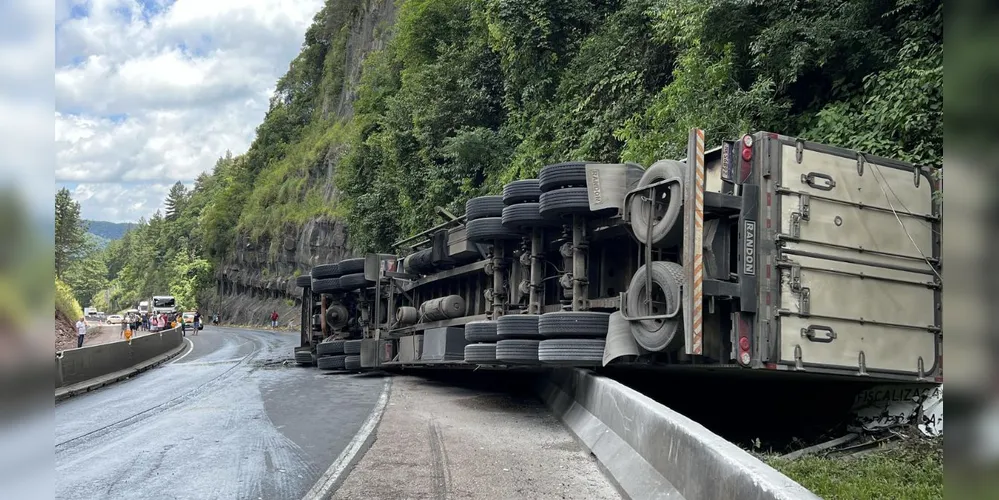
[164,304]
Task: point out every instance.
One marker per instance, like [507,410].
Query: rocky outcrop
[258,278]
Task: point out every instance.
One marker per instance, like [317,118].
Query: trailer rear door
[857,260]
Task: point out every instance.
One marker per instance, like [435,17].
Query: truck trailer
[767,252]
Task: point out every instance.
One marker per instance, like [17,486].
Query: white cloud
[120,202]
[154,92]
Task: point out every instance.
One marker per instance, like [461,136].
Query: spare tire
[574,324]
[304,281]
[561,175]
[489,229]
[483,206]
[669,206]
[527,190]
[657,335]
[351,266]
[324,271]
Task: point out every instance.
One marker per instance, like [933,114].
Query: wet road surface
[232,417]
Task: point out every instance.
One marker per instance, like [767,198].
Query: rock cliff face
[256,279]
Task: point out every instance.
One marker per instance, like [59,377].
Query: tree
[88,274]
[176,200]
[69,231]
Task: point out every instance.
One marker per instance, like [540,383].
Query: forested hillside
[469,94]
[108,230]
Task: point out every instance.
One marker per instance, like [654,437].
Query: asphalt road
[229,419]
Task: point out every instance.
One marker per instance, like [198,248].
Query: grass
[65,303]
[912,470]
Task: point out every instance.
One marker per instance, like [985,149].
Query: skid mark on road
[440,468]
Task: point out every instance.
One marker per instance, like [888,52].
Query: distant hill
[108,230]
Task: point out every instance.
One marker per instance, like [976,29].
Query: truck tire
[331,362]
[656,335]
[304,281]
[350,282]
[525,216]
[326,285]
[526,190]
[574,324]
[575,352]
[562,175]
[481,331]
[517,351]
[352,346]
[329,347]
[352,362]
[303,355]
[665,218]
[569,201]
[482,207]
[325,271]
[350,266]
[518,326]
[489,229]
[480,353]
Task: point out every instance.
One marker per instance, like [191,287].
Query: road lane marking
[333,476]
[191,343]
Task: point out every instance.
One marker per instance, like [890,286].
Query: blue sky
[150,92]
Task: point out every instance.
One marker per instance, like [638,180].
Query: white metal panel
[883,348]
[846,241]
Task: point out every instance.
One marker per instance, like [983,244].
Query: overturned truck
[766,253]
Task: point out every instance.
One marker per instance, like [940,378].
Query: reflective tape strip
[697,346]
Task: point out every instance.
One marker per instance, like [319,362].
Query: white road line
[351,454]
[186,353]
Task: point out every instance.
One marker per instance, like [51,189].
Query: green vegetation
[466,95]
[469,94]
[913,470]
[65,303]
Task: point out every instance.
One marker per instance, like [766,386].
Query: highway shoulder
[442,441]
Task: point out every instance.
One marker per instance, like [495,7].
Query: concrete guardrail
[651,451]
[75,366]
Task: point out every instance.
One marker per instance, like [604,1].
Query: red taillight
[747,154]
[744,343]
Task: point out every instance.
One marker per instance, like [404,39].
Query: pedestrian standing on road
[197,321]
[183,327]
[81,331]
[274,319]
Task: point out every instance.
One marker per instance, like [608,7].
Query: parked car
[115,319]
[189,319]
